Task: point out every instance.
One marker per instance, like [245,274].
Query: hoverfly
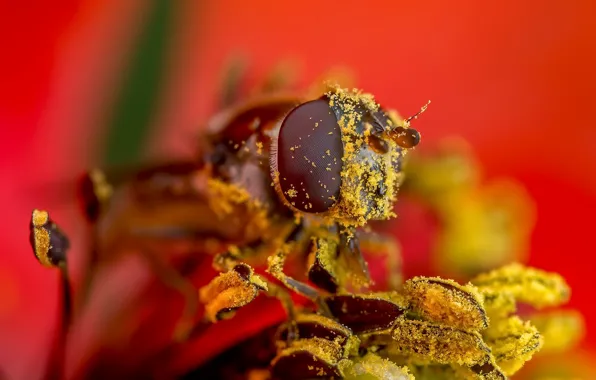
[279,176]
[276,171]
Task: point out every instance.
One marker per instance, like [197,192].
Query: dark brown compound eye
[308,157]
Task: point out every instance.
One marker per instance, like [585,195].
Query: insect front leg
[336,262]
[275,268]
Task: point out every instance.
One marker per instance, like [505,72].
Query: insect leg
[387,246]
[230,88]
[225,261]
[273,290]
[349,248]
[337,262]
[428,342]
[171,278]
[279,78]
[95,190]
[275,268]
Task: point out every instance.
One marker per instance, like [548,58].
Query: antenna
[415,116]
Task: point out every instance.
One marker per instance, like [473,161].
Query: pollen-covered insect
[280,172]
[309,171]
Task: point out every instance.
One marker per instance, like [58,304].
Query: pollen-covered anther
[372,366]
[489,370]
[230,291]
[528,285]
[48,242]
[309,326]
[308,359]
[513,342]
[316,326]
[498,305]
[445,301]
[561,329]
[432,343]
[365,313]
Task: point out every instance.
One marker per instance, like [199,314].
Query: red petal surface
[58,67]
[514,78]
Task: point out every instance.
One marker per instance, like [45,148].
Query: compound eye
[308,157]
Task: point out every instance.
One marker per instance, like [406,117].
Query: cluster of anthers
[430,327]
[260,176]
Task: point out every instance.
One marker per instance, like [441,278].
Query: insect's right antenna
[415,116]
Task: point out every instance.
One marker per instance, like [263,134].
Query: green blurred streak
[138,98]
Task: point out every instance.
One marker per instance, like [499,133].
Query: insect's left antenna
[50,246]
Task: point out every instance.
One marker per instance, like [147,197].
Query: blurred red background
[516,79]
